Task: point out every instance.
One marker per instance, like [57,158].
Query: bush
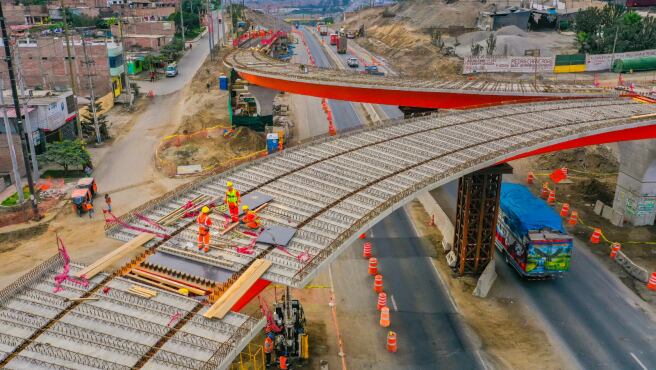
[13,199]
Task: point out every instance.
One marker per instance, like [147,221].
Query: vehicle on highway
[322,29]
[530,234]
[373,70]
[334,38]
[352,62]
[350,34]
[342,43]
[172,70]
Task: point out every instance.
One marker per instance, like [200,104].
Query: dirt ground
[506,328]
[593,176]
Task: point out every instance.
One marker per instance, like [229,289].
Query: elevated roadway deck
[264,71]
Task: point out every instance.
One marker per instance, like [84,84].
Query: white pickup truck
[352,62]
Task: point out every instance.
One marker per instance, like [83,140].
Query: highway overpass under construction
[327,191]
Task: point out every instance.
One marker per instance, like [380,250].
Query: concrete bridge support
[476,218]
[635,194]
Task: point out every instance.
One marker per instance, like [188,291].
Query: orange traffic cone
[614,249]
[530,178]
[382,300]
[594,238]
[362,236]
[373,266]
[391,340]
[378,283]
[573,218]
[651,283]
[565,210]
[384,317]
[366,250]
[552,197]
[545,190]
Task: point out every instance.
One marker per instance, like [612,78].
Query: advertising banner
[484,64]
[603,62]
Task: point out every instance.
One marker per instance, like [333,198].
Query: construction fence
[170,168]
[547,64]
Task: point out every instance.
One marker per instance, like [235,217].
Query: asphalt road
[344,114]
[430,333]
[598,319]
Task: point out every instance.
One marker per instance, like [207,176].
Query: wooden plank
[153,283]
[169,282]
[222,306]
[115,255]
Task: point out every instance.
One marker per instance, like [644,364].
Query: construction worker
[283,362]
[232,199]
[250,218]
[204,222]
[268,348]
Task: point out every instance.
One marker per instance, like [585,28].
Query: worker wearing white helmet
[232,199]
[204,222]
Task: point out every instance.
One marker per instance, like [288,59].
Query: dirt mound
[593,159]
[510,31]
[245,140]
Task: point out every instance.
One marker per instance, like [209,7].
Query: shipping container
[342,44]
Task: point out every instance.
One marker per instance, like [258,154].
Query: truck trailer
[342,44]
[530,234]
[323,29]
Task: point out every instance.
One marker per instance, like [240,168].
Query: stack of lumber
[174,216]
[222,306]
[164,282]
[142,292]
[112,257]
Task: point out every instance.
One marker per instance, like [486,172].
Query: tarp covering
[527,212]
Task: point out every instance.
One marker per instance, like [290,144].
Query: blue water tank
[272,143]
[223,82]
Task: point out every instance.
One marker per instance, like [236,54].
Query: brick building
[44,64]
[145,35]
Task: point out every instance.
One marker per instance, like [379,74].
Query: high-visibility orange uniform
[268,348]
[283,362]
[232,199]
[251,220]
[204,222]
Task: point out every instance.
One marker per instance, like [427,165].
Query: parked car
[172,70]
[352,62]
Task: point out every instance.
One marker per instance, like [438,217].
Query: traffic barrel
[614,249]
[384,317]
[565,210]
[366,250]
[552,197]
[373,266]
[595,237]
[530,178]
[391,341]
[378,283]
[651,283]
[382,300]
[573,218]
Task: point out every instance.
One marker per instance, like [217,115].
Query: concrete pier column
[635,194]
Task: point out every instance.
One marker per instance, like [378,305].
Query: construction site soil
[506,328]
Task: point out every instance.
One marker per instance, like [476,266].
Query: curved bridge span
[264,71]
[334,188]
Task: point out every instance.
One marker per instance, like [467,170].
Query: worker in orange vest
[204,222]
[268,348]
[283,362]
[250,218]
[232,199]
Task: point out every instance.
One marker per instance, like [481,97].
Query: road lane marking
[393,303]
[340,343]
[638,361]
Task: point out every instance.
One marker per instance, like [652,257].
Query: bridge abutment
[635,194]
[476,218]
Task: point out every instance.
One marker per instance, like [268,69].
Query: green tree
[88,128]
[66,153]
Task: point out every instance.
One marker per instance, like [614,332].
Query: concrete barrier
[442,221]
[631,268]
[486,280]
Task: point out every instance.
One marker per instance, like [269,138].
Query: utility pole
[10,144]
[19,127]
[71,70]
[184,45]
[210,28]
[28,123]
[125,70]
[93,96]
